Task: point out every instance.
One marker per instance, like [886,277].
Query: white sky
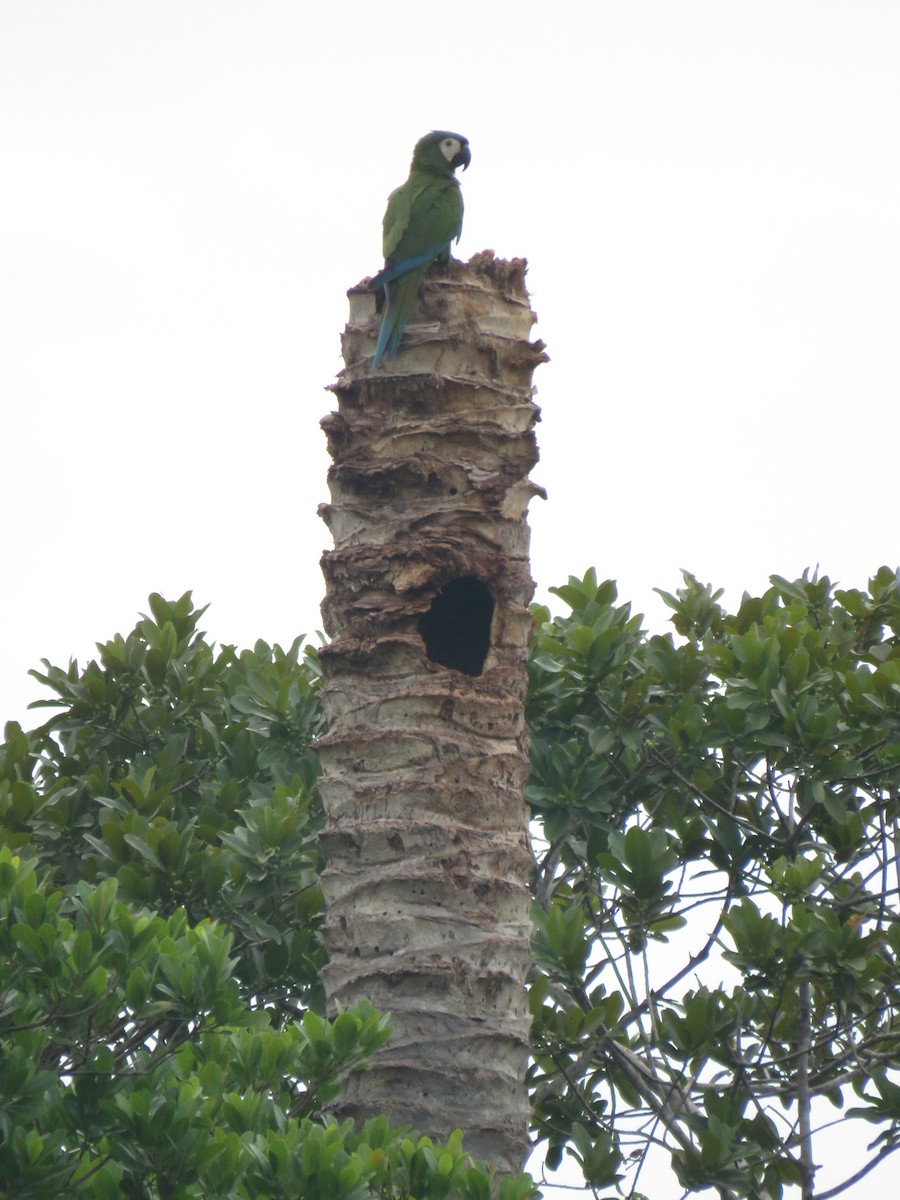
[708,194]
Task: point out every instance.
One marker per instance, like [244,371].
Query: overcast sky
[708,197]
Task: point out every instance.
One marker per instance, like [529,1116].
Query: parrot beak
[463,158]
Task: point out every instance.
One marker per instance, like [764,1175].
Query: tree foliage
[716,934]
[716,898]
[161,1020]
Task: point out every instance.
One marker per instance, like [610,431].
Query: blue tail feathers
[399,283]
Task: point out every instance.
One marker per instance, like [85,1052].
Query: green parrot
[422,218]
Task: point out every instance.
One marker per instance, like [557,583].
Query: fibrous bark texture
[427,587]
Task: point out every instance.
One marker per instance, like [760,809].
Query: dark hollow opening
[456,629]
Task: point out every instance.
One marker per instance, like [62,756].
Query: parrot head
[442,152]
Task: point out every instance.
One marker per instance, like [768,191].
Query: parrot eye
[449,148]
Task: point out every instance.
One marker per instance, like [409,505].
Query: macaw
[422,218]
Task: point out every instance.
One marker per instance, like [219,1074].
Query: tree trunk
[426,837]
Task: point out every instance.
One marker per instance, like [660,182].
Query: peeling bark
[426,837]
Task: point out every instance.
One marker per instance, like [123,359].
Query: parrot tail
[393,270]
[400,296]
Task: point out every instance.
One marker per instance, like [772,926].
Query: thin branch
[807,1166]
[860,1174]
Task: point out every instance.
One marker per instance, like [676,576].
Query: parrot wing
[397,216]
[424,212]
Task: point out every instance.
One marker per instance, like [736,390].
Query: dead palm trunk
[426,838]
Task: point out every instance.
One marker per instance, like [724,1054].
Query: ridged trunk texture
[426,836]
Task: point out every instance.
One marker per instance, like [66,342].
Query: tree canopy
[732,792]
[716,970]
[161,1022]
